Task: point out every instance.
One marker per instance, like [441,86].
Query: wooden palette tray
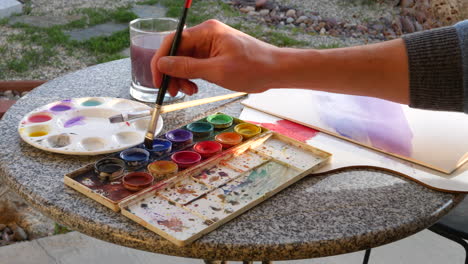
[201,198]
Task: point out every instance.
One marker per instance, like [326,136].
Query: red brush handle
[188,3]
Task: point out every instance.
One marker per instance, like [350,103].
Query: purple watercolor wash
[60,108]
[375,122]
[66,101]
[75,121]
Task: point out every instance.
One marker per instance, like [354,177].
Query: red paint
[186,159]
[127,123]
[290,129]
[136,181]
[188,3]
[208,148]
[39,118]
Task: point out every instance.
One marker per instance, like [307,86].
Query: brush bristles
[116,119]
[148,143]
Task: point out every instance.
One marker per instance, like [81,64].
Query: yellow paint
[38,134]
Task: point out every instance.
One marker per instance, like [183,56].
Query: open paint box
[211,191]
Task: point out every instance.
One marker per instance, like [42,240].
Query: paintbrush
[124,117]
[165,79]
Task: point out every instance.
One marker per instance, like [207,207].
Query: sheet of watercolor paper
[347,154]
[438,140]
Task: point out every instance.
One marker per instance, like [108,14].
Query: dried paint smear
[217,175]
[224,201]
[245,161]
[184,191]
[166,216]
[289,154]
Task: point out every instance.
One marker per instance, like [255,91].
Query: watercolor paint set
[80,126]
[197,177]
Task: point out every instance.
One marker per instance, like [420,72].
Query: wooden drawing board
[348,155]
[437,140]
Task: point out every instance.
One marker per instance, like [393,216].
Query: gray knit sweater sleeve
[438,68]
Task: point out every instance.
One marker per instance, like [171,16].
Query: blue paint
[135,157]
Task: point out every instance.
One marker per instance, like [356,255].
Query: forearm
[377,70]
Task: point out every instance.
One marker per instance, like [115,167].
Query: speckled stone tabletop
[318,216]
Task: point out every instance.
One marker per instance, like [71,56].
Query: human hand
[216,53]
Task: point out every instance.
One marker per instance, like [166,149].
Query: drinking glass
[146,36]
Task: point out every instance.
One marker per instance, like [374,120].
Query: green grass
[269,35]
[328,46]
[59,229]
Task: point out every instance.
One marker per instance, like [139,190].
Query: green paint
[219,119]
[200,127]
[91,103]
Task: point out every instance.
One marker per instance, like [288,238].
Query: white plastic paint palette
[81,126]
[204,197]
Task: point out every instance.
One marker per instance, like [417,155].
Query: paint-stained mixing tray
[190,205]
[81,126]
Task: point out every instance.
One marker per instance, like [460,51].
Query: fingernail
[165,64]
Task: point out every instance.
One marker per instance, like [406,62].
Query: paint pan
[160,148]
[135,158]
[247,130]
[185,159]
[162,169]
[229,139]
[180,138]
[137,181]
[200,129]
[109,169]
[92,102]
[220,120]
[208,148]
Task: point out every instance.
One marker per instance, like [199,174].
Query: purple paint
[179,135]
[75,121]
[66,101]
[375,122]
[60,108]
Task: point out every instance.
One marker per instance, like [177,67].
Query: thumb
[184,67]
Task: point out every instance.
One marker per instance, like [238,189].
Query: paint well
[208,148]
[128,138]
[38,134]
[91,102]
[162,169]
[247,130]
[136,181]
[200,129]
[39,118]
[93,143]
[229,139]
[60,108]
[59,141]
[179,136]
[220,120]
[185,159]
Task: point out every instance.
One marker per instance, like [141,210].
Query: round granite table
[318,216]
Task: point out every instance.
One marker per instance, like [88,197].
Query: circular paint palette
[81,126]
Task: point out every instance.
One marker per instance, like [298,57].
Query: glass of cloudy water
[146,36]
